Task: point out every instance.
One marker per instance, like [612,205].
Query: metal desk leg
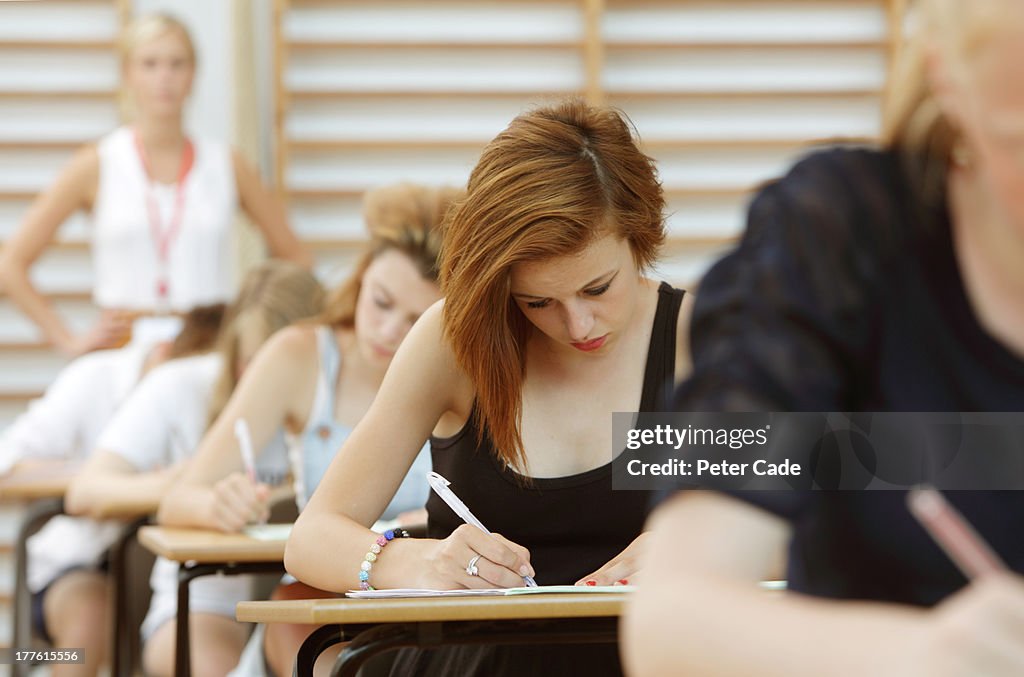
[122,658]
[369,641]
[187,572]
[318,641]
[182,649]
[36,515]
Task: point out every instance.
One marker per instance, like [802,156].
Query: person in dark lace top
[549,325]
[867,280]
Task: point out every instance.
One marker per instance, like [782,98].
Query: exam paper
[268,532]
[482,592]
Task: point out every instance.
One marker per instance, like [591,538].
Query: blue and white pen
[440,485]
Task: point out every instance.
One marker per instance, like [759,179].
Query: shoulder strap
[659,374]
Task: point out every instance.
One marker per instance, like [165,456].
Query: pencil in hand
[953,533]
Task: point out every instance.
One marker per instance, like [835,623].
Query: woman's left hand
[622,569]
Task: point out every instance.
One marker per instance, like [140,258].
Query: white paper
[268,532]
[483,592]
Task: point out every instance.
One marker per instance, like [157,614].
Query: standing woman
[549,324]
[315,381]
[162,206]
[886,279]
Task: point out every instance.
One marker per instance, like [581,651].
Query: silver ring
[471,567]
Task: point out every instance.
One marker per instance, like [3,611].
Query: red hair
[552,182]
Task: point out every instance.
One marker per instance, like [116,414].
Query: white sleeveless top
[200,268]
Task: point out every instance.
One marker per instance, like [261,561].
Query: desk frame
[187,571]
[37,514]
[371,639]
[122,657]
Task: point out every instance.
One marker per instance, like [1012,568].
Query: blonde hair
[274,294]
[404,217]
[555,180]
[139,32]
[913,121]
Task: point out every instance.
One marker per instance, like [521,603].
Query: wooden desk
[200,552]
[41,486]
[209,547]
[373,626]
[39,482]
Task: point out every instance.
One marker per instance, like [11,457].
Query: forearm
[292,249]
[187,504]
[16,283]
[95,494]
[726,628]
[326,550]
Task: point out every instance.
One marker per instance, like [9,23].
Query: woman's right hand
[501,563]
[236,501]
[111,330]
[977,631]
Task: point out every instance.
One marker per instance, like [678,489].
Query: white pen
[245,446]
[440,485]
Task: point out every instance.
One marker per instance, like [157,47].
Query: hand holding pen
[980,629]
[490,558]
[239,499]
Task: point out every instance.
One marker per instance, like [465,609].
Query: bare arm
[108,477]
[279,382]
[73,189]
[332,534]
[699,610]
[267,211]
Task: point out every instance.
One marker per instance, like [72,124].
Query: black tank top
[571,525]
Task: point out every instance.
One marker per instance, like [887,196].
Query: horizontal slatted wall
[373,93]
[58,82]
[724,93]
[727,94]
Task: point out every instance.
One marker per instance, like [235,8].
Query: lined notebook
[483,592]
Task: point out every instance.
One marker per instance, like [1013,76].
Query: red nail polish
[623,581]
[591,582]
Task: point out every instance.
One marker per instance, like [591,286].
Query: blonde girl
[158,428]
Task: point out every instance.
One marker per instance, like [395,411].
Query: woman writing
[66,557]
[316,380]
[145,446]
[548,325]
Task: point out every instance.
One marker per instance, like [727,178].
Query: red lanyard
[163,239]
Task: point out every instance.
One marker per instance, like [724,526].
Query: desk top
[341,610]
[209,547]
[40,480]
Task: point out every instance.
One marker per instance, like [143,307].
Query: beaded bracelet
[371,557]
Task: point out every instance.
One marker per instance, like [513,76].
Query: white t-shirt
[166,417]
[64,424]
[160,425]
[68,419]
[200,262]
